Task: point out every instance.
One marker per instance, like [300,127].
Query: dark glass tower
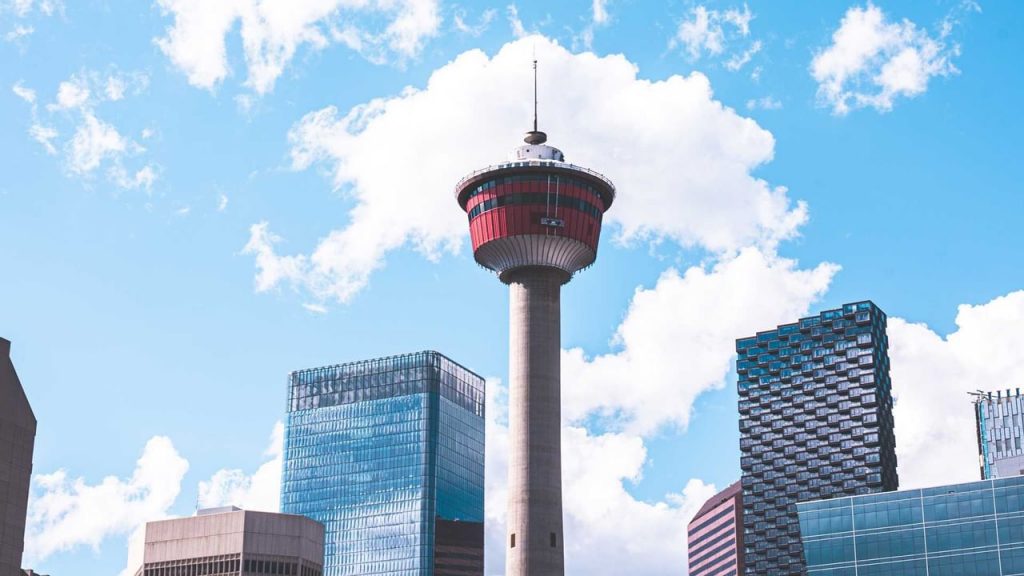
[17,439]
[816,422]
[389,455]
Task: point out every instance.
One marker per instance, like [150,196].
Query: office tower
[229,542]
[535,221]
[998,418]
[974,529]
[815,408]
[17,438]
[715,535]
[389,455]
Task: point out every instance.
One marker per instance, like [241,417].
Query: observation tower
[535,221]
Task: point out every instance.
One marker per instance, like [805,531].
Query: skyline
[144,303]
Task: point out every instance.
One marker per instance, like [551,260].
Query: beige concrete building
[17,438]
[229,541]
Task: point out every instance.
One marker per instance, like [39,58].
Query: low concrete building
[233,542]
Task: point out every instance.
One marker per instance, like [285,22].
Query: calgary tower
[535,220]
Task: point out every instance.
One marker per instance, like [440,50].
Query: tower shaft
[534,541]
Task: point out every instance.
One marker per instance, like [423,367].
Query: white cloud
[741,59]
[873,61]
[259,491]
[764,103]
[26,94]
[315,308]
[71,94]
[65,513]
[931,375]
[272,32]
[222,202]
[512,13]
[45,135]
[711,31]
[93,142]
[606,528]
[600,11]
[681,160]
[702,312]
[25,8]
[475,30]
[19,33]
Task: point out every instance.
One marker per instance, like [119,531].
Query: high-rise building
[389,455]
[815,408]
[715,535]
[535,221]
[17,439]
[974,529]
[232,542]
[999,431]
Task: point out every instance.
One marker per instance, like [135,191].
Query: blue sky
[198,198]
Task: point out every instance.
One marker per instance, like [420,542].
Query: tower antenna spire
[535,136]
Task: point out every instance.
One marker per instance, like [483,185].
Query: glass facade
[974,529]
[389,455]
[999,434]
[815,410]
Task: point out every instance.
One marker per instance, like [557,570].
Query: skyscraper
[973,529]
[535,221]
[233,542]
[714,540]
[998,418]
[17,439]
[815,408]
[389,455]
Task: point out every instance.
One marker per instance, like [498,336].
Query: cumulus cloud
[258,491]
[65,513]
[95,144]
[681,160]
[606,528]
[872,61]
[701,311]
[931,377]
[710,32]
[273,31]
[26,8]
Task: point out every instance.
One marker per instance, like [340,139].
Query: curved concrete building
[535,220]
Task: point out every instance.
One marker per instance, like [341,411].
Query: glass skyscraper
[999,434]
[974,529]
[389,455]
[816,422]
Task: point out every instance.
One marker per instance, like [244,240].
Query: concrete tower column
[534,543]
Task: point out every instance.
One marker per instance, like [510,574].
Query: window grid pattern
[379,452]
[815,409]
[1000,434]
[233,565]
[974,529]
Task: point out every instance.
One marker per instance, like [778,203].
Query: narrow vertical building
[714,538]
[17,440]
[999,430]
[233,542]
[816,422]
[535,221]
[389,455]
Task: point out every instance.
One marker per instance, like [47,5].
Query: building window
[554,540]
[513,541]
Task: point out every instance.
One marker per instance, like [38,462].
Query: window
[513,542]
[554,540]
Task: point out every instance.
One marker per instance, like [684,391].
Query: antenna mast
[535,136]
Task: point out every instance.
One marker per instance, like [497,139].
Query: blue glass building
[974,529]
[815,408]
[389,455]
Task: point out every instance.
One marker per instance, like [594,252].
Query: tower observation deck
[535,220]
